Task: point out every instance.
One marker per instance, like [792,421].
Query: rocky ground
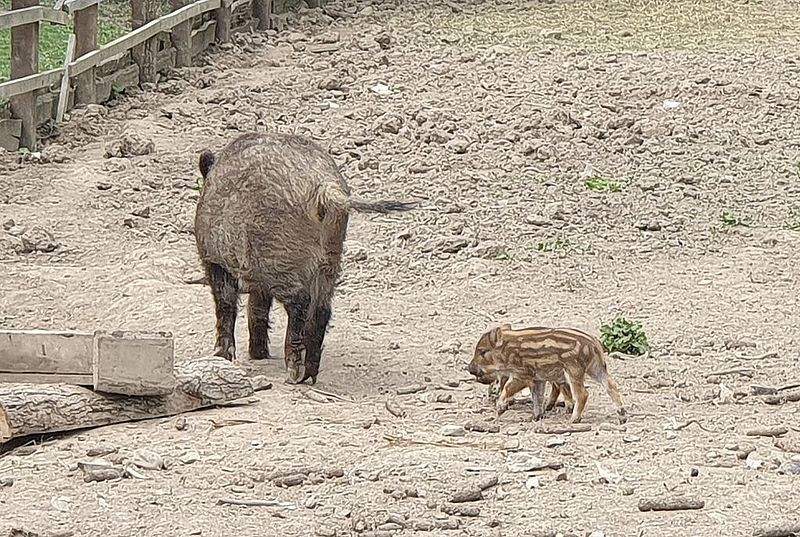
[574,161]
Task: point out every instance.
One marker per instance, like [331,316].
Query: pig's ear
[505,326]
[207,160]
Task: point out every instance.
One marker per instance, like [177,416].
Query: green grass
[599,184]
[557,245]
[114,22]
[615,25]
[730,219]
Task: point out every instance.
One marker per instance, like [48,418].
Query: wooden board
[18,17]
[10,129]
[28,409]
[31,83]
[44,352]
[133,363]
[129,363]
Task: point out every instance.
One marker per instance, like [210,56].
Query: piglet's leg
[537,398]
[497,386]
[554,393]
[510,388]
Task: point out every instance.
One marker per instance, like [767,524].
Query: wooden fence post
[223,15]
[142,12]
[85,42]
[25,62]
[262,9]
[181,38]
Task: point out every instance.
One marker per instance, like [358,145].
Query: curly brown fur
[272,219]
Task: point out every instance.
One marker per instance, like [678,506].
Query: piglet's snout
[474,370]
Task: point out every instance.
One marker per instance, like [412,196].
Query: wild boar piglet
[532,357]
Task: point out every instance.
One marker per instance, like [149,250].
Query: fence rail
[181,34]
[32,14]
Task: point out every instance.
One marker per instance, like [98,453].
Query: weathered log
[27,409]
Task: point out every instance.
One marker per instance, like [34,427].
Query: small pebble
[452,430]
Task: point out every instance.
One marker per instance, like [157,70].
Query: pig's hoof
[260,355]
[228,353]
[295,374]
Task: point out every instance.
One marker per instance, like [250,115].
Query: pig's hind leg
[225,290]
[258,307]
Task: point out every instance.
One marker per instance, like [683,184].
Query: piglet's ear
[495,336]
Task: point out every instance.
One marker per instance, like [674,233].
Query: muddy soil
[574,161]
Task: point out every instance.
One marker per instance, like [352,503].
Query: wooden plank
[18,17]
[10,129]
[45,351]
[139,36]
[133,363]
[25,62]
[73,6]
[47,378]
[85,42]
[181,38]
[261,12]
[28,409]
[64,93]
[30,83]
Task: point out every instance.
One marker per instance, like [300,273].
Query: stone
[452,430]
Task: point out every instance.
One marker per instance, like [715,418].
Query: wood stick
[778,430]
[252,503]
[576,428]
[745,371]
[64,93]
[690,422]
[792,530]
[670,504]
[28,409]
[779,399]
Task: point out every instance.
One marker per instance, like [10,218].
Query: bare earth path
[494,115]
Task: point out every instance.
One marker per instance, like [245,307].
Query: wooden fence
[90,72]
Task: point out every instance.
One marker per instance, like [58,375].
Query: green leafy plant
[731,219]
[600,184]
[557,245]
[624,336]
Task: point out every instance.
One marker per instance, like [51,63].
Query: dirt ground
[494,115]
